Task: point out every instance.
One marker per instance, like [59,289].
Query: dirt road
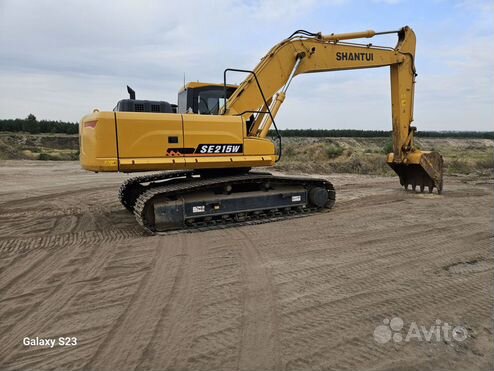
[304,294]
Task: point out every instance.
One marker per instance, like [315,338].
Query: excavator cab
[203,98]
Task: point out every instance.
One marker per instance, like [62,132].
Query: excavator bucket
[419,168]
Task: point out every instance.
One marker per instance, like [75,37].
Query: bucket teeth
[422,169]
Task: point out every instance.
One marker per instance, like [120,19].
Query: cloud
[282,10]
[389,2]
[59,60]
[148,44]
[357,99]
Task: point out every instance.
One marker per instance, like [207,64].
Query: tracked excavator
[203,148]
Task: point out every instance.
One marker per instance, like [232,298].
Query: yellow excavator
[216,133]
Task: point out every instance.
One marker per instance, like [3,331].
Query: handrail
[263,98]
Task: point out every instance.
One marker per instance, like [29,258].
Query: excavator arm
[310,53]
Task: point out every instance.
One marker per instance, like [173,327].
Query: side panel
[97,141]
[148,134]
[215,141]
[212,129]
[258,146]
[150,141]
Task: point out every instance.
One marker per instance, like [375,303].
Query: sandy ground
[304,294]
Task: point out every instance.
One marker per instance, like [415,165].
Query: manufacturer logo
[349,56]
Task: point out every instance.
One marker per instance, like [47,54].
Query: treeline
[31,125]
[353,133]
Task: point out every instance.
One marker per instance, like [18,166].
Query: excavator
[202,150]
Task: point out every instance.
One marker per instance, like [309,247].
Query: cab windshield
[210,102]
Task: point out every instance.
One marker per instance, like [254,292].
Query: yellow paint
[129,141]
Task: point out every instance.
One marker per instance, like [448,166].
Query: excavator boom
[301,54]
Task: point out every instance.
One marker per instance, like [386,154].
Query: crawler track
[141,194]
[132,188]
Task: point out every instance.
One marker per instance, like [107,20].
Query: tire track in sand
[133,331]
[68,240]
[217,326]
[259,348]
[30,263]
[41,315]
[173,335]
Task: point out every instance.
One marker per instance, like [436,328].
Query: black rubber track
[174,184]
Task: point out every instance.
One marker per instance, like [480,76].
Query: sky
[60,59]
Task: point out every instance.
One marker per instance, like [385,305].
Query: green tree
[31,125]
